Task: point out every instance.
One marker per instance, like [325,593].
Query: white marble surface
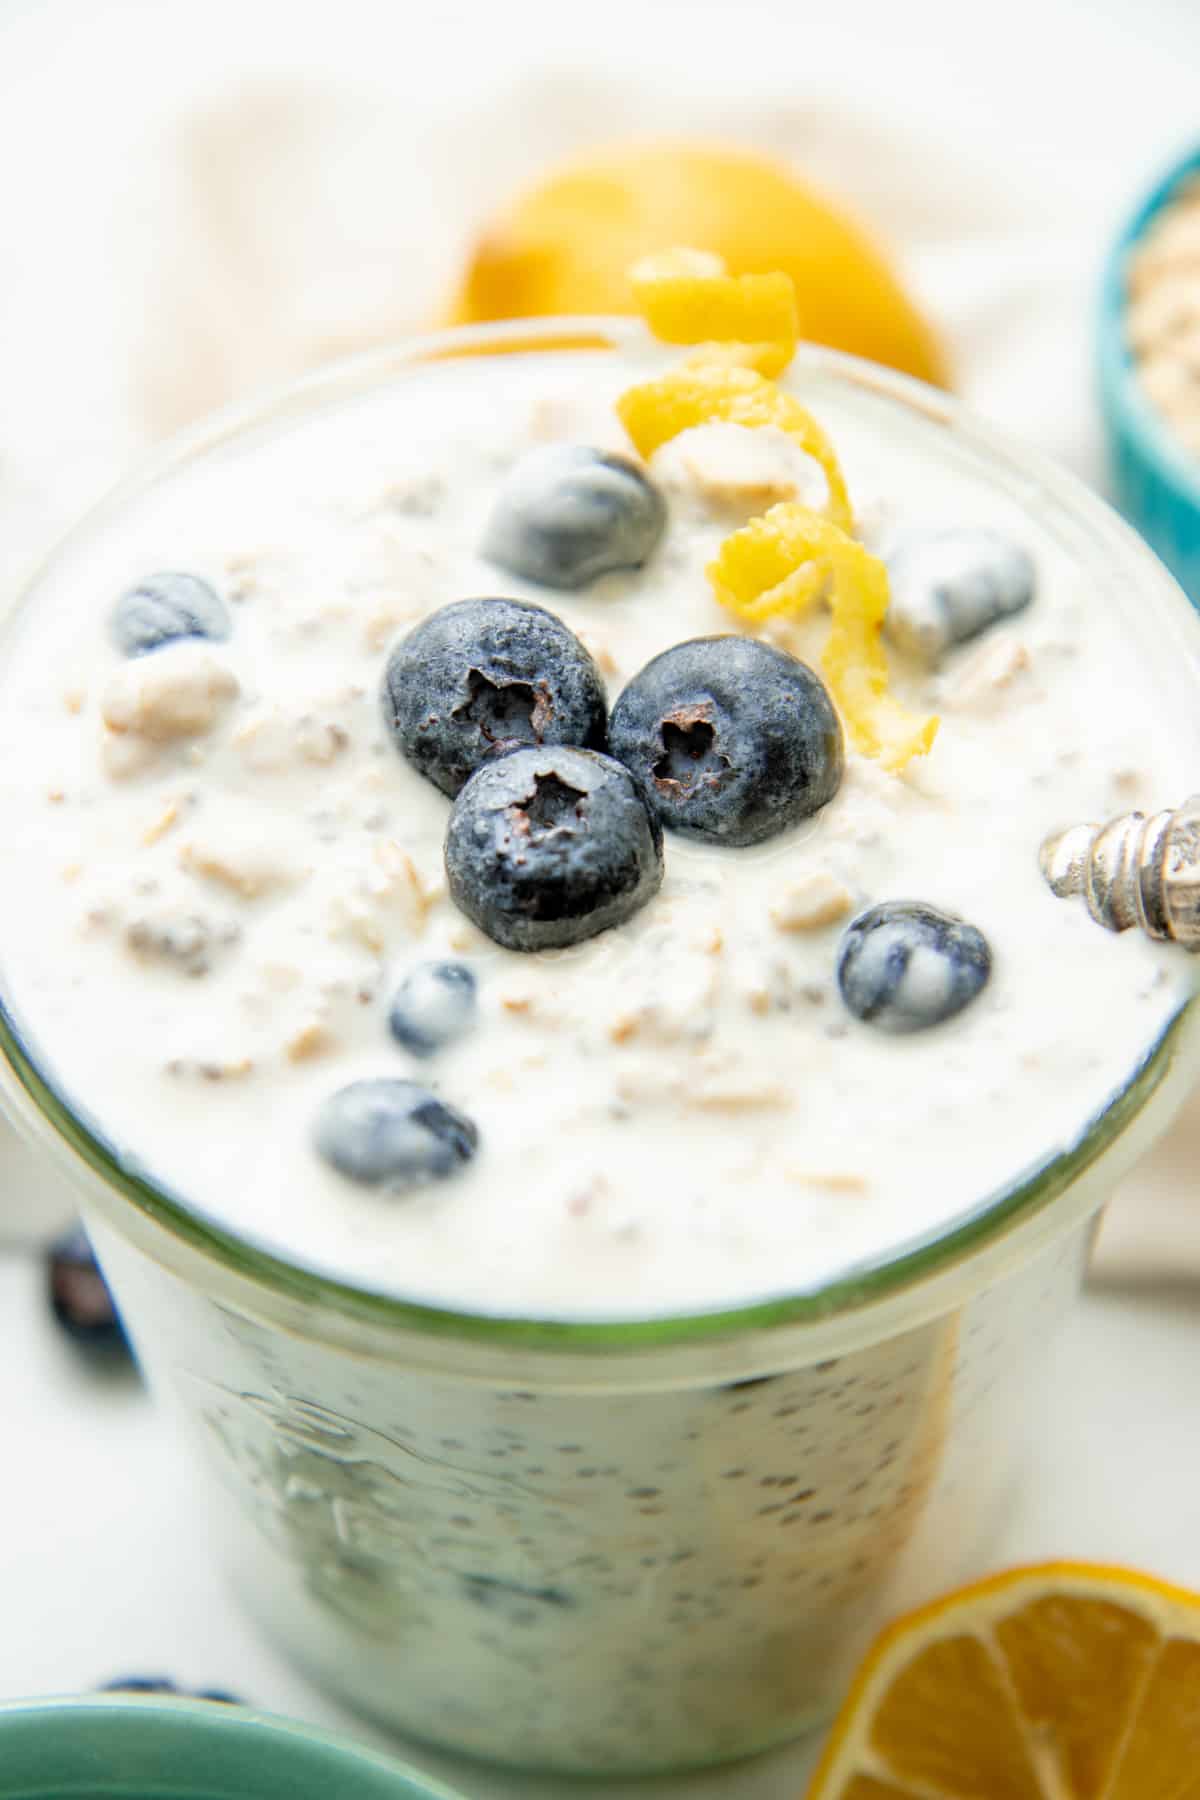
[105,1571]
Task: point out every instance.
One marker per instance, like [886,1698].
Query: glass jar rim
[43,1112]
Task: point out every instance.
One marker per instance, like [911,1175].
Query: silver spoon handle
[1134,871]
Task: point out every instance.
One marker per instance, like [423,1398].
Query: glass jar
[605,1547]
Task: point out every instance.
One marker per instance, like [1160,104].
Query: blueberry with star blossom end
[733,740]
[479,676]
[548,847]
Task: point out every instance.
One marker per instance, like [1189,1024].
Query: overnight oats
[586,1098]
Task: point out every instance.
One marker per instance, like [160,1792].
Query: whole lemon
[566,246]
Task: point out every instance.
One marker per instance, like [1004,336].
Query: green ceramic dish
[121,1748]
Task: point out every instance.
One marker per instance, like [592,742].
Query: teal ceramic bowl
[1156,482]
[120,1748]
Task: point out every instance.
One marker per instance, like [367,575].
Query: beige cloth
[255,195]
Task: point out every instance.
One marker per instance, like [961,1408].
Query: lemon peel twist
[656,411]
[792,556]
[783,563]
[688,297]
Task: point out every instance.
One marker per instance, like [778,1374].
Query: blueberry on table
[734,741]
[569,514]
[548,847]
[393,1134]
[79,1295]
[434,1004]
[162,1684]
[948,586]
[904,966]
[165,608]
[141,1684]
[482,675]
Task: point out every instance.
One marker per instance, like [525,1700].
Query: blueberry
[164,608]
[434,1005]
[141,1684]
[904,966]
[162,1684]
[948,586]
[733,740]
[393,1134]
[569,514]
[485,674]
[548,847]
[79,1295]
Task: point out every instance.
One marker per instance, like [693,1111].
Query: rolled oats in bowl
[1163,318]
[1148,366]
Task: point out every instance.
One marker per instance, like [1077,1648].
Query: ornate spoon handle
[1136,870]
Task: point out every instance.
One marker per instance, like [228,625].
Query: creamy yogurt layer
[223,872]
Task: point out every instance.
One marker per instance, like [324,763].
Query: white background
[997,147]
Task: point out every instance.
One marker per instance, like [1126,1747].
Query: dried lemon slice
[784,562]
[654,412]
[1064,1679]
[689,297]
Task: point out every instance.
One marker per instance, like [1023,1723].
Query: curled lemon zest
[688,297]
[791,557]
[654,412]
[787,560]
